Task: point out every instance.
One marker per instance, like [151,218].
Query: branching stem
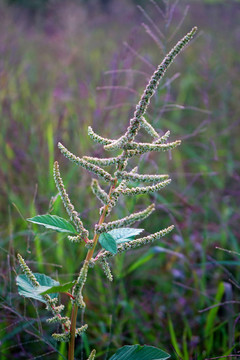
[88,258]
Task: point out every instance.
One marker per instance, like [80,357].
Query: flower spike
[98,138]
[145,189]
[99,192]
[83,233]
[139,177]
[126,221]
[136,243]
[135,122]
[85,164]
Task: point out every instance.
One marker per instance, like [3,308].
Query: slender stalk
[72,332]
[88,257]
[101,220]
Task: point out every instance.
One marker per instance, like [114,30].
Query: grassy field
[80,66]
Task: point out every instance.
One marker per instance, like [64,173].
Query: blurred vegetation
[40,7]
[71,70]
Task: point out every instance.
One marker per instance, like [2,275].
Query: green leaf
[124,234]
[53,222]
[26,289]
[138,352]
[59,289]
[108,242]
[214,310]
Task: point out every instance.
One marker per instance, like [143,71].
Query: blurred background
[65,65]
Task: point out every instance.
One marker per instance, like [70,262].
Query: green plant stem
[72,332]
[88,257]
[101,220]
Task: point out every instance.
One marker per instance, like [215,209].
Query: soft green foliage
[211,317]
[137,352]
[125,234]
[59,288]
[108,243]
[53,222]
[27,289]
[41,282]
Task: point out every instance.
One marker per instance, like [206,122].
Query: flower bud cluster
[106,268]
[99,192]
[163,138]
[148,127]
[89,244]
[57,319]
[80,330]
[63,337]
[83,233]
[140,190]
[135,243]
[85,164]
[77,238]
[78,288]
[126,221]
[26,270]
[50,302]
[92,355]
[135,122]
[138,177]
[114,196]
[146,147]
[102,161]
[98,138]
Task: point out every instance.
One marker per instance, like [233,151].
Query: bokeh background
[65,65]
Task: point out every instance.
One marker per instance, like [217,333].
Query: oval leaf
[137,352]
[108,242]
[59,289]
[26,289]
[53,222]
[124,234]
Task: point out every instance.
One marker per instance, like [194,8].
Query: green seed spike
[163,138]
[64,337]
[80,330]
[106,268]
[99,192]
[126,221]
[138,177]
[98,138]
[141,108]
[151,147]
[92,355]
[60,319]
[83,233]
[136,243]
[145,189]
[115,196]
[142,149]
[103,161]
[78,288]
[148,127]
[50,302]
[76,239]
[85,164]
[26,270]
